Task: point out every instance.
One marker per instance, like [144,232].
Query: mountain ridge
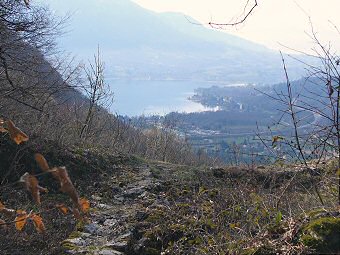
[139,43]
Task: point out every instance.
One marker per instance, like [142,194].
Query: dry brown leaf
[20,220]
[66,184]
[32,185]
[76,214]
[84,205]
[55,173]
[62,208]
[60,174]
[2,206]
[41,161]
[15,133]
[38,223]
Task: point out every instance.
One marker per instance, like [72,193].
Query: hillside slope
[152,207]
[141,44]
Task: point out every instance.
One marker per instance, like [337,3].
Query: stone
[140,245]
[119,246]
[145,194]
[156,186]
[85,235]
[134,192]
[119,198]
[125,236]
[75,241]
[104,206]
[109,252]
[91,228]
[97,198]
[110,222]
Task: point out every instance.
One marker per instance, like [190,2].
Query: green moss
[316,212]
[156,173]
[208,225]
[178,227]
[184,205]
[196,241]
[80,225]
[155,216]
[151,233]
[69,246]
[213,193]
[75,234]
[136,160]
[92,248]
[322,235]
[249,251]
[93,210]
[184,192]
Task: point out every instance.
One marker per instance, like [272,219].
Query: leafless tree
[27,39]
[312,136]
[98,92]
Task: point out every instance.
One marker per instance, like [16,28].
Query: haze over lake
[154,59]
[136,97]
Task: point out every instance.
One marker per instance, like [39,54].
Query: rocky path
[113,220]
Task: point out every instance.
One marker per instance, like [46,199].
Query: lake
[137,97]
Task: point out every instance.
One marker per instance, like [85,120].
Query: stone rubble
[110,230]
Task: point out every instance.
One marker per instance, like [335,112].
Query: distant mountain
[141,44]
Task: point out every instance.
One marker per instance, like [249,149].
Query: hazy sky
[273,21]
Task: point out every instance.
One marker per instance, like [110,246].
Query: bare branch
[238,22]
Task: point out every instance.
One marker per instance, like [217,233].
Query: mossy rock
[322,235]
[75,234]
[68,246]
